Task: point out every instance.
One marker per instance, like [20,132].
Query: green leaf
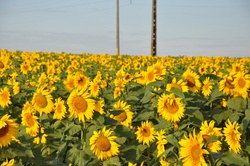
[237,103]
[144,116]
[123,131]
[147,96]
[234,117]
[116,112]
[245,120]
[231,158]
[139,150]
[113,161]
[172,140]
[178,93]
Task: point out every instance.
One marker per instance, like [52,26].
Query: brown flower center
[80,104]
[196,153]
[150,76]
[41,100]
[4,130]
[229,84]
[145,131]
[103,144]
[121,117]
[172,108]
[190,81]
[1,65]
[241,82]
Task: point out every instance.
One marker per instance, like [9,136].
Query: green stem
[211,160]
[148,158]
[83,140]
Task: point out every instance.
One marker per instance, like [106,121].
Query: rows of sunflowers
[100,109]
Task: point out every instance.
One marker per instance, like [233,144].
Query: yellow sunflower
[94,89]
[145,133]
[4,97]
[226,85]
[241,84]
[232,136]
[8,130]
[42,101]
[25,67]
[181,85]
[208,130]
[99,106]
[191,152]
[81,105]
[60,109]
[8,163]
[30,120]
[69,83]
[207,87]
[159,68]
[162,140]
[170,107]
[81,81]
[102,144]
[192,79]
[150,75]
[126,116]
[117,92]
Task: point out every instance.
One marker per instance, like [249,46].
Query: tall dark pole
[117,29]
[153,34]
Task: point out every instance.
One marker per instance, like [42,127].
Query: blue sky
[184,27]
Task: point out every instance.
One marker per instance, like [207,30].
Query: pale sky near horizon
[184,27]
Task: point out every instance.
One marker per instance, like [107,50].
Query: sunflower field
[99,109]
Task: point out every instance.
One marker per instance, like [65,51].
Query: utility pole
[153,34]
[117,29]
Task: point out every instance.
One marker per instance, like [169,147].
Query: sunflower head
[102,144]
[8,130]
[80,104]
[170,107]
[145,133]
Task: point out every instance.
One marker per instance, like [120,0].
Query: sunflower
[207,87]
[117,92]
[16,88]
[191,152]
[232,136]
[162,140]
[30,120]
[69,83]
[145,133]
[170,107]
[94,89]
[8,130]
[81,81]
[99,106]
[42,101]
[192,79]
[141,78]
[102,144]
[208,130]
[25,67]
[159,68]
[226,85]
[8,163]
[125,117]
[119,82]
[203,69]
[4,97]
[60,109]
[181,85]
[150,75]
[241,84]
[80,105]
